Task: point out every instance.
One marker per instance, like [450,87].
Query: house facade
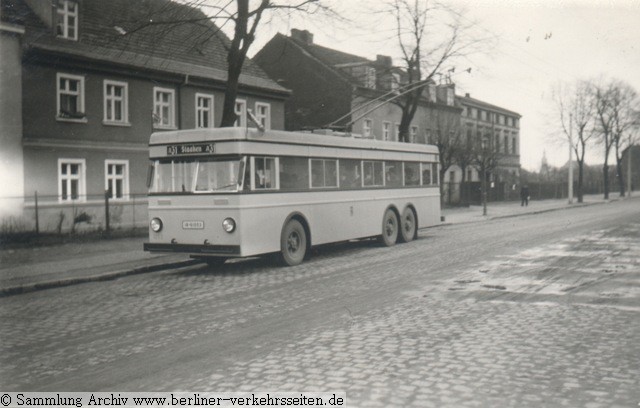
[83,87]
[500,129]
[334,89]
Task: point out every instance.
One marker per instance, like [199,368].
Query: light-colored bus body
[192,222]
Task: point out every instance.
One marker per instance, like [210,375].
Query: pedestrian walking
[524,196]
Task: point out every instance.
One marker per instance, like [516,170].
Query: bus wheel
[389,228]
[407,225]
[293,243]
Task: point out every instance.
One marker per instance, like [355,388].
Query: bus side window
[294,173]
[426,174]
[393,174]
[350,174]
[411,174]
[265,174]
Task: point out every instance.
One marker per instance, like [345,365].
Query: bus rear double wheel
[293,243]
[398,230]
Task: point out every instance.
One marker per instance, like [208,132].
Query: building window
[241,112]
[70,97]
[397,130]
[366,128]
[469,175]
[117,179]
[414,134]
[204,111]
[386,130]
[450,98]
[263,114]
[513,146]
[452,176]
[163,108]
[67,19]
[71,180]
[116,109]
[506,144]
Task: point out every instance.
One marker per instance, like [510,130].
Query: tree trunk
[620,176]
[605,179]
[580,180]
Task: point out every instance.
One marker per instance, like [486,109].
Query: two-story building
[83,85]
[331,88]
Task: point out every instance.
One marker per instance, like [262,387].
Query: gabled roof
[114,31]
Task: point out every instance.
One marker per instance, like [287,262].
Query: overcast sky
[584,39]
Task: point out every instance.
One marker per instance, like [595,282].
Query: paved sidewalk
[511,208]
[28,269]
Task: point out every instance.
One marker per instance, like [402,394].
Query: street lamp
[570,186]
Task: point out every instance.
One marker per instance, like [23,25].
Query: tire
[389,228]
[293,243]
[407,225]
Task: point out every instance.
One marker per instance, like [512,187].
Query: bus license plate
[192,224]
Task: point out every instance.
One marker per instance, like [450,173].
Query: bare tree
[429,35]
[576,107]
[485,158]
[464,158]
[445,134]
[615,102]
[208,17]
[625,107]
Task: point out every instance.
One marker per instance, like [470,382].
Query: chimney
[467,95]
[384,61]
[303,36]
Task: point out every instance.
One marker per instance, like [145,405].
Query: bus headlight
[156,224]
[229,225]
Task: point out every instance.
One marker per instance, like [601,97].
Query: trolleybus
[239,192]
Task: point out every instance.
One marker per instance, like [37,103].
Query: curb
[32,287]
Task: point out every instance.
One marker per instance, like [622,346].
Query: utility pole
[570,187]
[629,170]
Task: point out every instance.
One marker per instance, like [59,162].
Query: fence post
[106,212]
[37,215]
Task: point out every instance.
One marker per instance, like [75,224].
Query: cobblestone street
[541,310]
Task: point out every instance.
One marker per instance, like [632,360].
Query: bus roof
[323,138]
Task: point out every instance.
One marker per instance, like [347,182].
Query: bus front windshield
[199,175]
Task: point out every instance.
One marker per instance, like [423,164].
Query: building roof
[114,31]
[467,100]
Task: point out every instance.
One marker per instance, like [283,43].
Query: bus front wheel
[293,243]
[389,228]
[407,225]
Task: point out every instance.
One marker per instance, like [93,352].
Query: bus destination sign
[203,148]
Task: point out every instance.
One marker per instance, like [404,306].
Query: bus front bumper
[194,249]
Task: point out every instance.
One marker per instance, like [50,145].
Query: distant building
[631,155]
[82,89]
[327,85]
[500,128]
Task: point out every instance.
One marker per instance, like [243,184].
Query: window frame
[124,178]
[266,117]
[81,177]
[276,173]
[324,174]
[80,108]
[107,99]
[62,19]
[386,131]
[367,125]
[241,120]
[210,111]
[171,105]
